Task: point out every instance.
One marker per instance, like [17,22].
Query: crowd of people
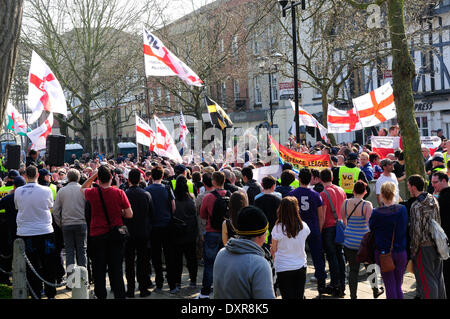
[253,237]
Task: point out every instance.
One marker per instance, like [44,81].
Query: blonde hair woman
[388,224]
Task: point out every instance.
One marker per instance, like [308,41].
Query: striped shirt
[356,229]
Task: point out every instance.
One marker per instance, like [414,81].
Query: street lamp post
[284,7]
[266,66]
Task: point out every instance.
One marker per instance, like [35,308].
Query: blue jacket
[382,223]
[368,170]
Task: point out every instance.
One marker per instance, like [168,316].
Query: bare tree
[11,21]
[212,41]
[90,46]
[403,72]
[334,44]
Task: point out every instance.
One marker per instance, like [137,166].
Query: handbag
[366,251]
[116,233]
[386,261]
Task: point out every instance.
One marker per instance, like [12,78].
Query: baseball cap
[44,172]
[19,181]
[13,173]
[438,158]
[352,157]
[179,169]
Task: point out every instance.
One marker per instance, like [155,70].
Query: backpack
[440,238]
[220,209]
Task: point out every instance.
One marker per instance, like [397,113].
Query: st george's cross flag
[183,132]
[165,145]
[144,134]
[159,61]
[38,136]
[15,121]
[306,119]
[341,121]
[217,115]
[376,106]
[44,91]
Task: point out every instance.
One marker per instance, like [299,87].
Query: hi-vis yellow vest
[54,190]
[4,190]
[348,177]
[189,184]
[295,183]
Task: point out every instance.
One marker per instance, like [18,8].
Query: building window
[270,37]
[255,46]
[221,46]
[223,94]
[158,95]
[236,90]
[274,87]
[422,123]
[168,97]
[234,45]
[257,90]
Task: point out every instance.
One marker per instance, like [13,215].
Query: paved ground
[364,288]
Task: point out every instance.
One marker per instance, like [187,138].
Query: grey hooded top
[242,272]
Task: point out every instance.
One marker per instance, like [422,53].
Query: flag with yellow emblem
[217,115]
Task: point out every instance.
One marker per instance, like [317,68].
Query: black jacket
[253,188]
[139,226]
[185,210]
[230,187]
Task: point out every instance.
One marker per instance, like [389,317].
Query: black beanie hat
[251,222]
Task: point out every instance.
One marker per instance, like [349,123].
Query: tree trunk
[403,71]
[86,130]
[10,23]
[331,138]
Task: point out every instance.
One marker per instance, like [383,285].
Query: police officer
[180,169]
[438,166]
[295,183]
[4,242]
[5,189]
[446,155]
[3,170]
[346,176]
[8,226]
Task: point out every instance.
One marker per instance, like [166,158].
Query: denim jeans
[335,257]
[75,241]
[213,243]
